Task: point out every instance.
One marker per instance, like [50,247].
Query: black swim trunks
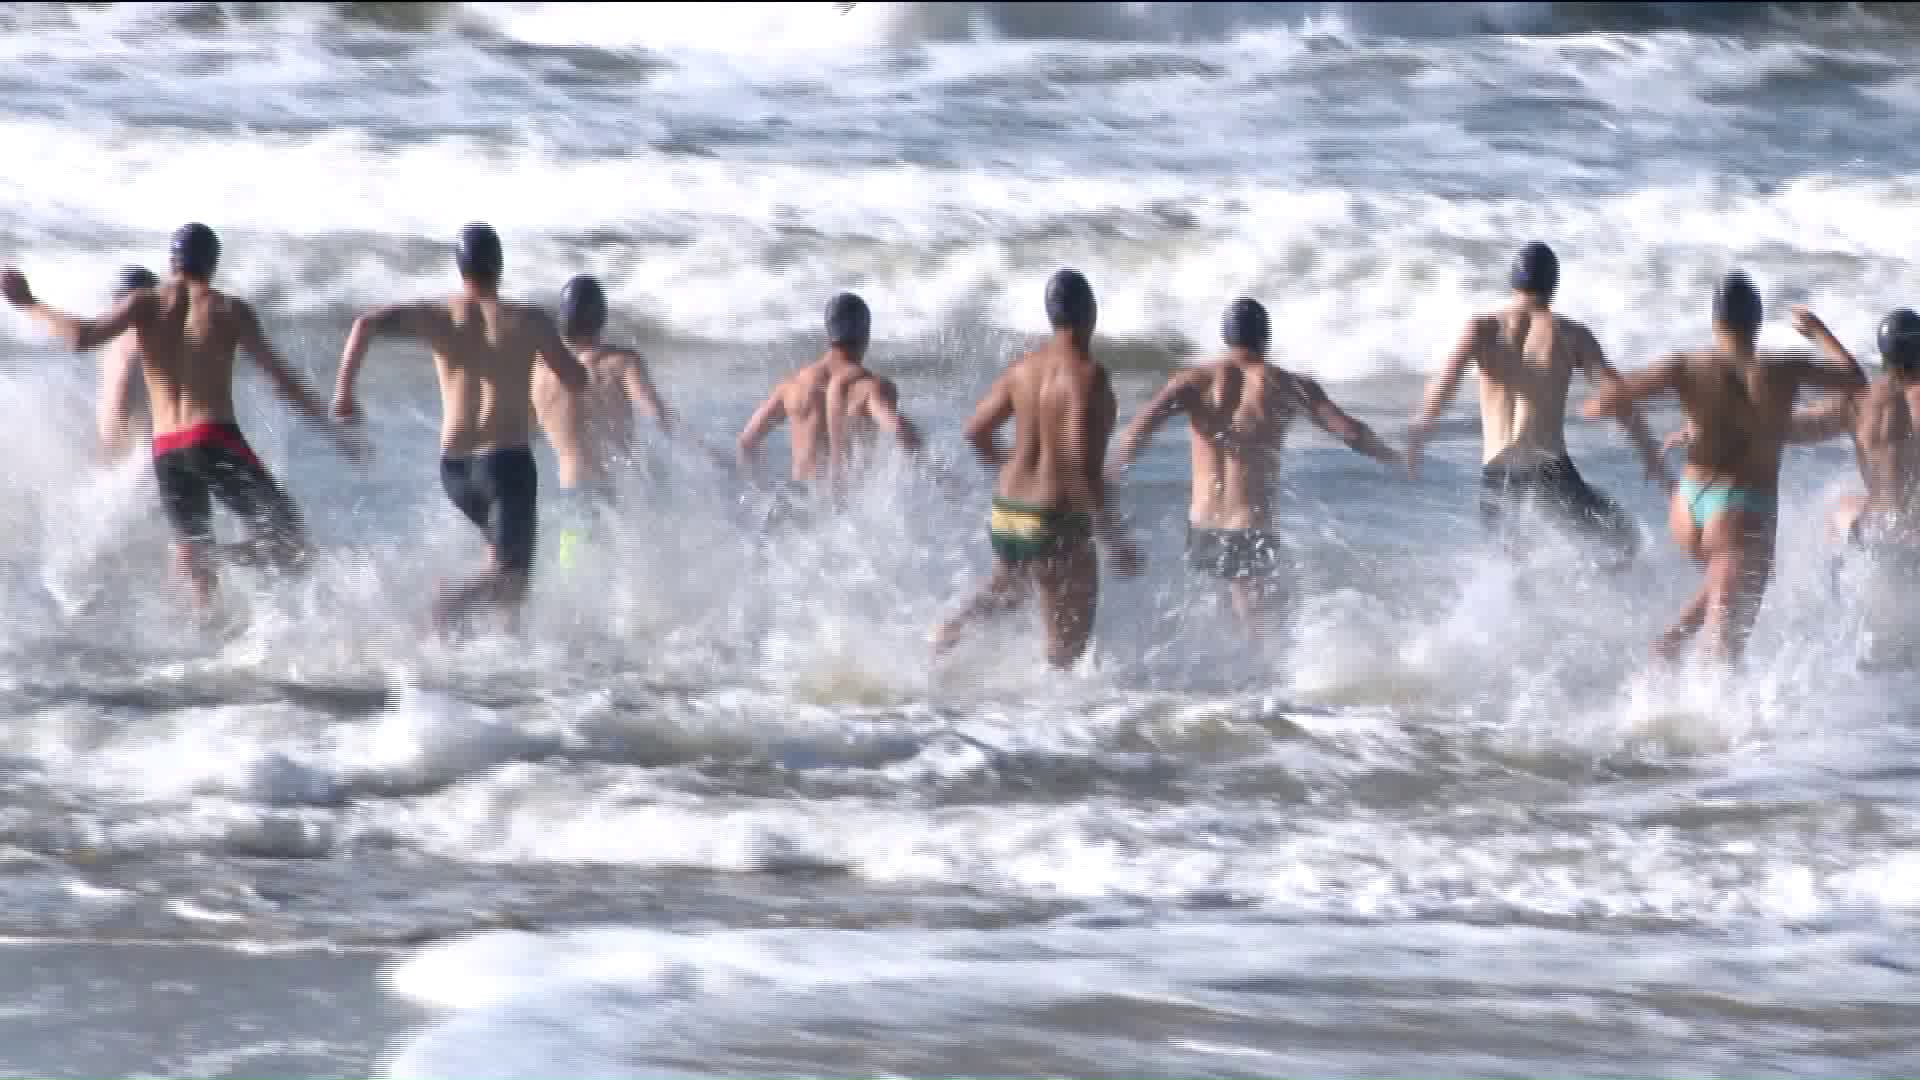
[198,464]
[1556,487]
[497,490]
[1233,554]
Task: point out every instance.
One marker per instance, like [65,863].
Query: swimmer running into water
[1525,355]
[1050,502]
[186,333]
[1739,405]
[592,426]
[829,402]
[121,405]
[1239,410]
[484,351]
[1886,443]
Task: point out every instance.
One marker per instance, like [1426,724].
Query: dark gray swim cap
[583,307]
[196,251]
[1736,304]
[1900,340]
[849,321]
[477,253]
[1536,270]
[1246,326]
[1070,303]
[134,277]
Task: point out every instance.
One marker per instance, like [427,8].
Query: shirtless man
[1739,404]
[119,364]
[594,425]
[1051,500]
[1238,411]
[1525,356]
[1886,444]
[186,333]
[484,351]
[829,401]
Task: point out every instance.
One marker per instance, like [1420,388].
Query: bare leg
[495,587]
[1668,645]
[1739,572]
[1069,588]
[1845,517]
[1002,592]
[1259,603]
[194,562]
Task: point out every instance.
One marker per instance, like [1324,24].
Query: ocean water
[716,813]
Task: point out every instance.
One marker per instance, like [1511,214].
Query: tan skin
[484,351]
[114,413]
[185,334]
[590,427]
[1239,410]
[826,404]
[1880,420]
[1525,356]
[1739,406]
[1062,406]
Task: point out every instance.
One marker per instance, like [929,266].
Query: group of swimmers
[504,367]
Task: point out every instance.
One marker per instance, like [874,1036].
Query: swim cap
[477,253]
[196,251]
[1070,303]
[1736,304]
[1900,339]
[134,277]
[849,322]
[583,307]
[1247,326]
[1536,270]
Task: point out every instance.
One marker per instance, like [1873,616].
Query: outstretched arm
[882,406]
[747,447]
[1840,372]
[993,410]
[1175,397]
[1624,391]
[80,335]
[1335,421]
[1593,361]
[1441,390]
[252,339]
[641,393]
[1832,417]
[420,320]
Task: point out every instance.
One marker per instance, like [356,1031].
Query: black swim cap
[1070,303]
[196,251]
[1736,304]
[1247,326]
[134,277]
[849,322]
[478,254]
[1900,340]
[583,307]
[1536,270]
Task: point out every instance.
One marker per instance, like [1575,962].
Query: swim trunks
[576,518]
[1707,500]
[1022,533]
[496,489]
[198,464]
[1233,554]
[1556,486]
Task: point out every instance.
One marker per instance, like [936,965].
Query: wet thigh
[1069,590]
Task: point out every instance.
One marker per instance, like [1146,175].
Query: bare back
[1063,411]
[187,335]
[1885,445]
[485,351]
[1740,412]
[590,428]
[1238,416]
[1526,360]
